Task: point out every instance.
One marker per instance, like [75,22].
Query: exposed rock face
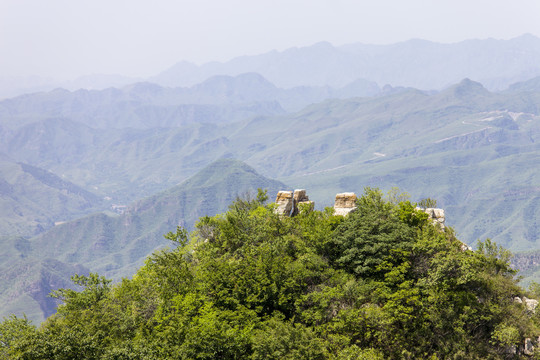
[345,203]
[530,304]
[284,202]
[436,215]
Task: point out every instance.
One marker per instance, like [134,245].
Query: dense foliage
[381,283]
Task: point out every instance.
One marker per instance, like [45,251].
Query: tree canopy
[383,282]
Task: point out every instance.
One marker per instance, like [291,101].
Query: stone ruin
[289,203]
[345,203]
[301,201]
[436,215]
[284,202]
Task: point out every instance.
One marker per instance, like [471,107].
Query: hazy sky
[69,38]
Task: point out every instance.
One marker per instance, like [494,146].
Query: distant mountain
[218,100]
[531,85]
[119,164]
[26,281]
[19,85]
[109,141]
[33,199]
[473,150]
[140,105]
[455,145]
[415,63]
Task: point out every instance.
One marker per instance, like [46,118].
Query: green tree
[380,283]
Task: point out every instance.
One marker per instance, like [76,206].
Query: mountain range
[90,180]
[112,244]
[415,63]
[467,146]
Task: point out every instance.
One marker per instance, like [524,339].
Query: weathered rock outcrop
[530,304]
[289,203]
[345,203]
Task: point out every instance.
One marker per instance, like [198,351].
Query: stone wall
[345,203]
[436,215]
[289,203]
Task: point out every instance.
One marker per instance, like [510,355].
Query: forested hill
[383,282]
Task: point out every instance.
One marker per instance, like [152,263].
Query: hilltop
[383,282]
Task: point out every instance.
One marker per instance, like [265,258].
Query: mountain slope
[473,150]
[33,199]
[217,100]
[383,282]
[26,281]
[115,245]
[140,106]
[458,143]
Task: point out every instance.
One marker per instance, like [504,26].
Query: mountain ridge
[416,63]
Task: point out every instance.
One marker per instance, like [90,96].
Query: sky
[64,39]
